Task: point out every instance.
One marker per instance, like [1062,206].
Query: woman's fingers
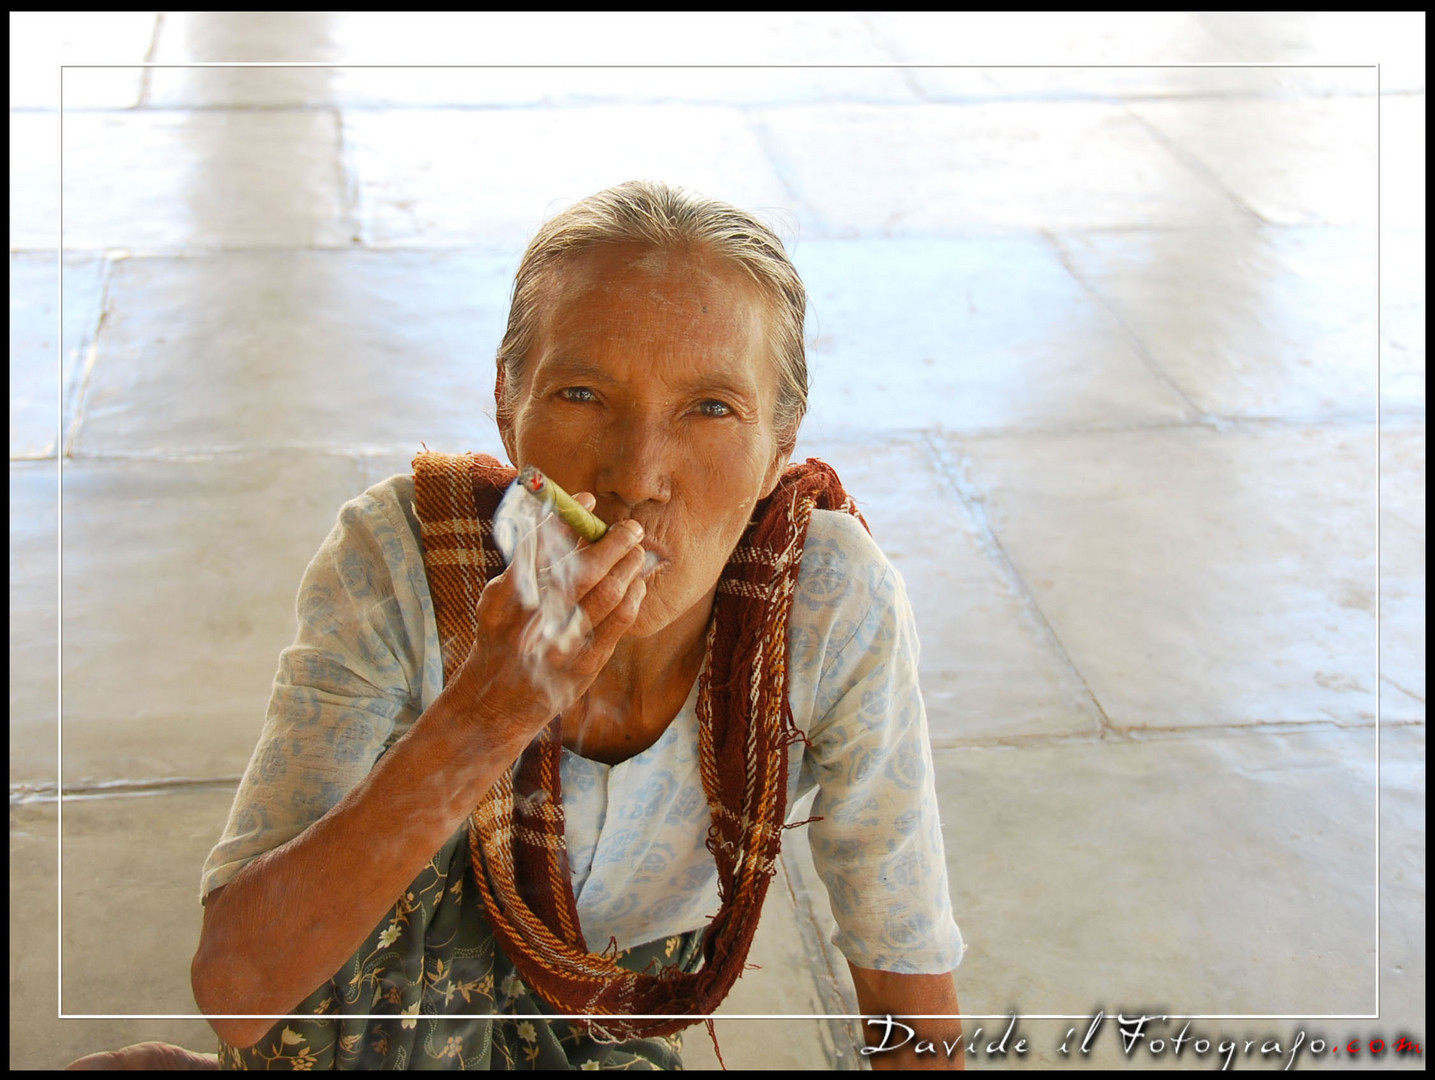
[619,620]
[603,584]
[599,574]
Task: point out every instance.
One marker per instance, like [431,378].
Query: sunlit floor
[1095,348]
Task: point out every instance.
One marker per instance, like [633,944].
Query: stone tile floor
[1095,346]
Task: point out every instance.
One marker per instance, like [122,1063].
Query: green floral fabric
[432,969]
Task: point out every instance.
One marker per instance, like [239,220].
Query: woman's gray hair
[664,217]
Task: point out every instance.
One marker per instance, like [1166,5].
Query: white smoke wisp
[536,546]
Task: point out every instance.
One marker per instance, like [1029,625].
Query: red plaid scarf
[519,856]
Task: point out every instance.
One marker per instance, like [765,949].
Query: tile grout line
[1195,165]
[883,46]
[1408,693]
[22,794]
[976,233]
[350,215]
[1138,735]
[764,143]
[1201,417]
[822,956]
[1401,421]
[147,72]
[92,352]
[925,100]
[971,500]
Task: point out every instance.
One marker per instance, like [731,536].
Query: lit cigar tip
[531,478]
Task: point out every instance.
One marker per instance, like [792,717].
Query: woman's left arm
[888,994]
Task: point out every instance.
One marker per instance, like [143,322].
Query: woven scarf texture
[746,727]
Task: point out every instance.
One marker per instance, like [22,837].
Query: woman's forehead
[652,294]
[612,269]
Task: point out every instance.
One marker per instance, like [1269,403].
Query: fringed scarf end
[804,821]
[712,1034]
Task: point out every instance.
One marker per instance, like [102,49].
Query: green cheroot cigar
[581,521]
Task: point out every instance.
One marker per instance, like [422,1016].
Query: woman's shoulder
[388,502]
[848,594]
[379,523]
[842,566]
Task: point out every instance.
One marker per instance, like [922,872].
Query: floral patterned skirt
[444,989]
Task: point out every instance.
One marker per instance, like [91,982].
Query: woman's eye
[579,394]
[714,408]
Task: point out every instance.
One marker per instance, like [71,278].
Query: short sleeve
[354,679]
[878,845]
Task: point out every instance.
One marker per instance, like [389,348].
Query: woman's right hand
[512,684]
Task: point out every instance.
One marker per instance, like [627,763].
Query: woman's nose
[637,463]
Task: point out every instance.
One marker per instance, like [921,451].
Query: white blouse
[366,663]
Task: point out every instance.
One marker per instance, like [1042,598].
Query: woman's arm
[885,993]
[294,915]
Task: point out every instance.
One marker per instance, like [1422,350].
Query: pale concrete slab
[990,666]
[39,359]
[1394,39]
[1402,161]
[1402,322]
[228,37]
[971,334]
[162,181]
[1197,576]
[240,87]
[34,181]
[1131,55]
[353,87]
[1166,875]
[945,169]
[588,37]
[1058,37]
[305,350]
[179,582]
[1402,573]
[1125,82]
[34,605]
[1402,878]
[131,923]
[1401,941]
[580,86]
[480,178]
[1305,162]
[41,41]
[1253,322]
[132,865]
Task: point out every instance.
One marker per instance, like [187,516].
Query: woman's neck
[639,691]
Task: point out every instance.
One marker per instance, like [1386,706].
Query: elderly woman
[586,824]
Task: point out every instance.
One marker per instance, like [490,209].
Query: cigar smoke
[536,546]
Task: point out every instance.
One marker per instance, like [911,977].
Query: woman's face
[651,385]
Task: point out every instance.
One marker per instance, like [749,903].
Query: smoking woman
[452,849]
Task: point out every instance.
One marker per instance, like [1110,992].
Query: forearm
[883,993]
[290,919]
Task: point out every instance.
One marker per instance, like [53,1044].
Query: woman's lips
[655,554]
